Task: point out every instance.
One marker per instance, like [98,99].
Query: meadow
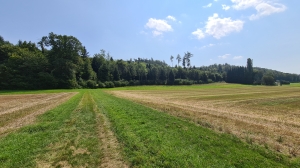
[216,125]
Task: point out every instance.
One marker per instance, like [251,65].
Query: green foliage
[182,82]
[61,61]
[109,84]
[268,80]
[91,84]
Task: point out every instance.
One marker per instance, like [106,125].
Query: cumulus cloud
[199,34]
[171,18]
[237,57]
[159,26]
[224,56]
[225,7]
[262,7]
[206,46]
[207,6]
[220,27]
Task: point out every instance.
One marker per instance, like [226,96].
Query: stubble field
[268,116]
[20,110]
[216,125]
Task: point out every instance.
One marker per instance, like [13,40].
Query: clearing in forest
[269,116]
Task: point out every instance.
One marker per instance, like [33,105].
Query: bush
[91,84]
[117,83]
[121,83]
[257,82]
[183,82]
[268,80]
[210,81]
[101,85]
[134,82]
[284,82]
[109,84]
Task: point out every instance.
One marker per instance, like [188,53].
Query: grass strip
[154,139]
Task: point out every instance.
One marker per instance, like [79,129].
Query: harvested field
[269,116]
[20,110]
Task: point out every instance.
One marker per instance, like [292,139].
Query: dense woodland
[60,61]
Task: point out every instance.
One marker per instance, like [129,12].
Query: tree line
[61,61]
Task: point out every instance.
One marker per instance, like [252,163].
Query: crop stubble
[19,110]
[269,116]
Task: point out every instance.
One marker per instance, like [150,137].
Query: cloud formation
[199,34]
[207,6]
[237,57]
[262,7]
[159,26]
[225,7]
[171,18]
[206,46]
[224,56]
[220,27]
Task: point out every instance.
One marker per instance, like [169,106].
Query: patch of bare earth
[110,147]
[19,110]
[241,112]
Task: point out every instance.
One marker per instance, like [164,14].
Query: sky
[214,31]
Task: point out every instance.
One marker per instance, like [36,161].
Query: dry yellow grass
[268,116]
[19,110]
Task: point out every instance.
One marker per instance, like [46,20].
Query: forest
[61,61]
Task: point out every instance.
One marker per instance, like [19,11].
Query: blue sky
[214,31]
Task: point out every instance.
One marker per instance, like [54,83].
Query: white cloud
[220,27]
[265,9]
[206,46]
[262,7]
[237,57]
[159,26]
[224,56]
[244,4]
[207,6]
[225,7]
[199,34]
[171,18]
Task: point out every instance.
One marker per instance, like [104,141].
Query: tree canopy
[61,61]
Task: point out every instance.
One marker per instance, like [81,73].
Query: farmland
[216,125]
[269,116]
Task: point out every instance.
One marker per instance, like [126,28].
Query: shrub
[91,84]
[183,82]
[109,84]
[284,82]
[101,85]
[210,81]
[268,80]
